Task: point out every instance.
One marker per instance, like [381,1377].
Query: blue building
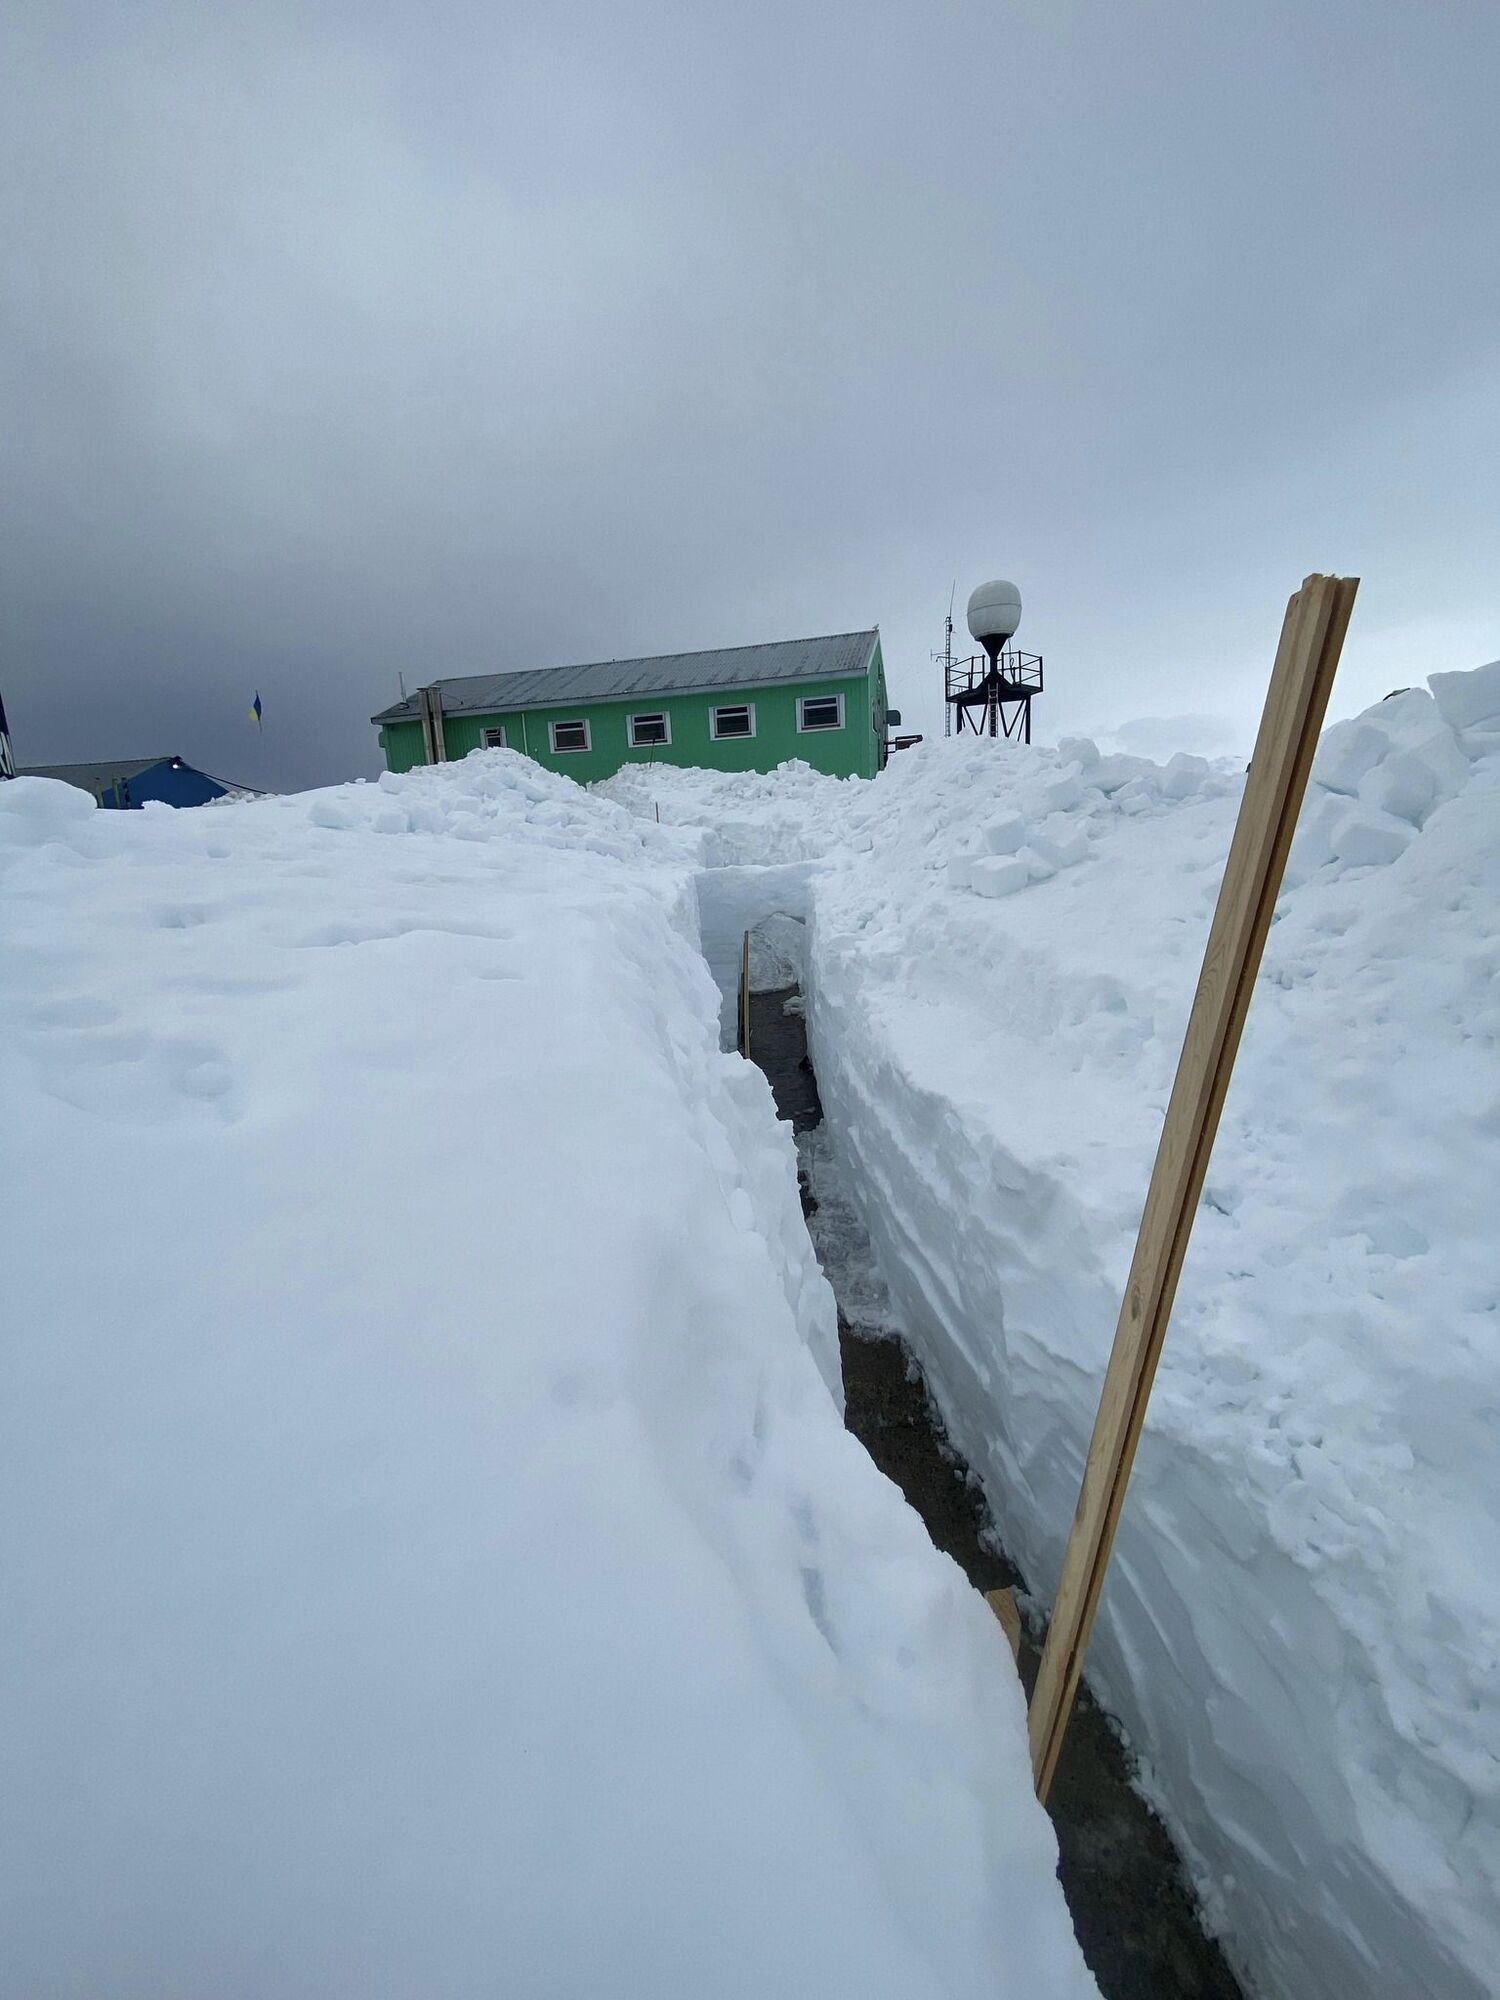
[128,782]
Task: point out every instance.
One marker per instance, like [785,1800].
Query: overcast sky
[349,340]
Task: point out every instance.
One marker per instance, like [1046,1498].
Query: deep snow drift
[432,1559]
[1301,1629]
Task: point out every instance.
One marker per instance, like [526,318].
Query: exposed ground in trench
[1132,1908]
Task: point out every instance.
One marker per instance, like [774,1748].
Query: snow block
[1360,840]
[1347,751]
[1006,835]
[1063,793]
[1405,784]
[1312,845]
[1001,877]
[1060,843]
[1080,750]
[1469,701]
[1112,774]
[1184,775]
[1400,757]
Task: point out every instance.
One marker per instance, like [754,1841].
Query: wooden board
[1003,1604]
[745,996]
[1311,639]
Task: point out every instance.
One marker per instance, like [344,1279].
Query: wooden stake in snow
[1311,639]
[745,996]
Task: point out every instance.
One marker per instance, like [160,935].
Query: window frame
[489,729]
[570,749]
[805,728]
[718,735]
[661,715]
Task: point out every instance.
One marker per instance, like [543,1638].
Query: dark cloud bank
[342,342]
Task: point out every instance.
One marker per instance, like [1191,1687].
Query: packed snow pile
[754,817]
[432,1558]
[1301,1628]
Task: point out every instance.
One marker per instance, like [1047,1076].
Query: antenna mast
[945,659]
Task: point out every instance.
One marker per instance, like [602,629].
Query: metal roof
[89,777]
[106,775]
[834,657]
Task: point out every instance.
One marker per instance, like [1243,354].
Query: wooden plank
[1003,1604]
[1311,639]
[745,996]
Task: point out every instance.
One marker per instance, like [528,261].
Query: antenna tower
[990,692]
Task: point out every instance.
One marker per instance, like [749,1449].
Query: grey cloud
[350,341]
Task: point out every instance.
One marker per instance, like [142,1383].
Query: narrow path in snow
[1133,1911]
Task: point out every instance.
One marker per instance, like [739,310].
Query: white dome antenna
[991,695]
[994,614]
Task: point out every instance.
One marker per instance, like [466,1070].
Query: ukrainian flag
[255,710]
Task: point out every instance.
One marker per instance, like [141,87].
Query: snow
[433,1560]
[1301,1628]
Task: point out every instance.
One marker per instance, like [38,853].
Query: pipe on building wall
[430,704]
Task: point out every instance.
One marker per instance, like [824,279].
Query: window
[738,721]
[820,711]
[569,735]
[648,729]
[492,737]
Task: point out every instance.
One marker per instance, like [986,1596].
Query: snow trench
[771,904]
[1300,1630]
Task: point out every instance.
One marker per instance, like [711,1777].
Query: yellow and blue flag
[255,710]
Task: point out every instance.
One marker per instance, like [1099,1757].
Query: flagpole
[257,716]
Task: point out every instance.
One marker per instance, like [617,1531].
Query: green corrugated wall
[850,752]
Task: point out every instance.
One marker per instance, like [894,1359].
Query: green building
[743,708]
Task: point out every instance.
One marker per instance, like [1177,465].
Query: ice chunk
[1469,701]
[1113,773]
[1001,876]
[1006,835]
[1184,775]
[1404,784]
[1063,792]
[1363,840]
[1061,842]
[1080,750]
[1312,847]
[1347,751]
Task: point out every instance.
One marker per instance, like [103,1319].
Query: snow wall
[432,1557]
[1301,1626]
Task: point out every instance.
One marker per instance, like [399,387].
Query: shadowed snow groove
[1135,1917]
